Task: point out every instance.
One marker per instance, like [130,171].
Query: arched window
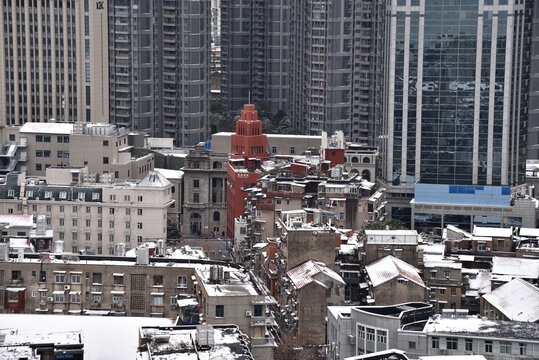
[355,159]
[366,160]
[366,174]
[216,216]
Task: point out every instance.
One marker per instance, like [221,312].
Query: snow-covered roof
[492,231]
[17,220]
[170,174]
[398,237]
[453,357]
[46,128]
[529,232]
[479,281]
[238,284]
[153,179]
[339,311]
[515,267]
[308,272]
[388,268]
[118,335]
[518,300]
[449,264]
[175,343]
[476,326]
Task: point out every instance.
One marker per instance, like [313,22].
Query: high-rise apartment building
[255,53]
[456,91]
[54,61]
[336,63]
[533,113]
[159,67]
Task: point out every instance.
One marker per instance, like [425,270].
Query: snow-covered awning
[114,292]
[96,312]
[158,294]
[117,274]
[58,292]
[59,271]
[74,293]
[15,289]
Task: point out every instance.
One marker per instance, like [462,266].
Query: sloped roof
[516,267]
[47,128]
[518,300]
[389,267]
[492,231]
[305,273]
[17,220]
[154,179]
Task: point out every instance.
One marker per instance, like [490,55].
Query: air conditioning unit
[351,339]
[67,287]
[50,299]
[248,313]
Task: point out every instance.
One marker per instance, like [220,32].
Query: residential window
[105,143]
[47,138]
[117,301]
[453,292]
[274,149]
[127,198]
[118,279]
[361,332]
[139,212]
[157,300]
[370,334]
[75,297]
[112,197]
[39,167]
[505,347]
[95,196]
[139,239]
[447,274]
[42,276]
[105,160]
[139,225]
[468,344]
[488,346]
[99,223]
[63,194]
[196,183]
[39,138]
[157,280]
[48,195]
[140,198]
[258,310]
[59,277]
[47,153]
[61,221]
[59,297]
[127,238]
[432,274]
[111,238]
[96,278]
[173,300]
[128,224]
[127,211]
[75,278]
[88,223]
[452,343]
[111,224]
[435,342]
[381,336]
[182,282]
[523,349]
[219,311]
[292,150]
[442,291]
[59,139]
[196,198]
[111,211]
[75,222]
[96,300]
[87,209]
[411,344]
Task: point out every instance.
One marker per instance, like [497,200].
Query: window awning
[15,289]
[74,293]
[117,274]
[97,292]
[117,292]
[158,294]
[57,292]
[59,271]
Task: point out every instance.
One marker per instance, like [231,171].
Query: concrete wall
[393,292]
[405,252]
[310,244]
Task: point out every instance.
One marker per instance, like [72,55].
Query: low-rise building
[401,244]
[312,286]
[193,342]
[517,300]
[102,148]
[53,345]
[90,216]
[505,269]
[412,328]
[234,296]
[393,281]
[204,181]
[444,279]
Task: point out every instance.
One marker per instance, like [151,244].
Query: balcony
[263,321]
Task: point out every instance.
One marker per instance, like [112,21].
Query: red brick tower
[248,149]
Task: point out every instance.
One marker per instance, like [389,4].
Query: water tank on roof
[4,252]
[59,246]
[143,256]
[120,249]
[160,247]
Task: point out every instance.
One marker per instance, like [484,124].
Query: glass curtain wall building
[455,103]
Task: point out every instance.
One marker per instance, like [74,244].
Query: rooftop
[238,283]
[186,342]
[518,300]
[475,326]
[529,232]
[388,268]
[17,220]
[408,237]
[170,174]
[492,231]
[309,272]
[47,128]
[515,267]
[154,179]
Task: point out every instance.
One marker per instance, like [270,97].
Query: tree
[298,347]
[217,108]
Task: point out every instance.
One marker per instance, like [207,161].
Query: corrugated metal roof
[390,267]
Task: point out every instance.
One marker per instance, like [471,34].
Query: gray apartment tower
[159,52]
[336,63]
[533,113]
[54,61]
[255,52]
[456,91]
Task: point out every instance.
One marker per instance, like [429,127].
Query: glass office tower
[455,103]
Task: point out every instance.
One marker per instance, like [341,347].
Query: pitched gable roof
[518,300]
[389,267]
